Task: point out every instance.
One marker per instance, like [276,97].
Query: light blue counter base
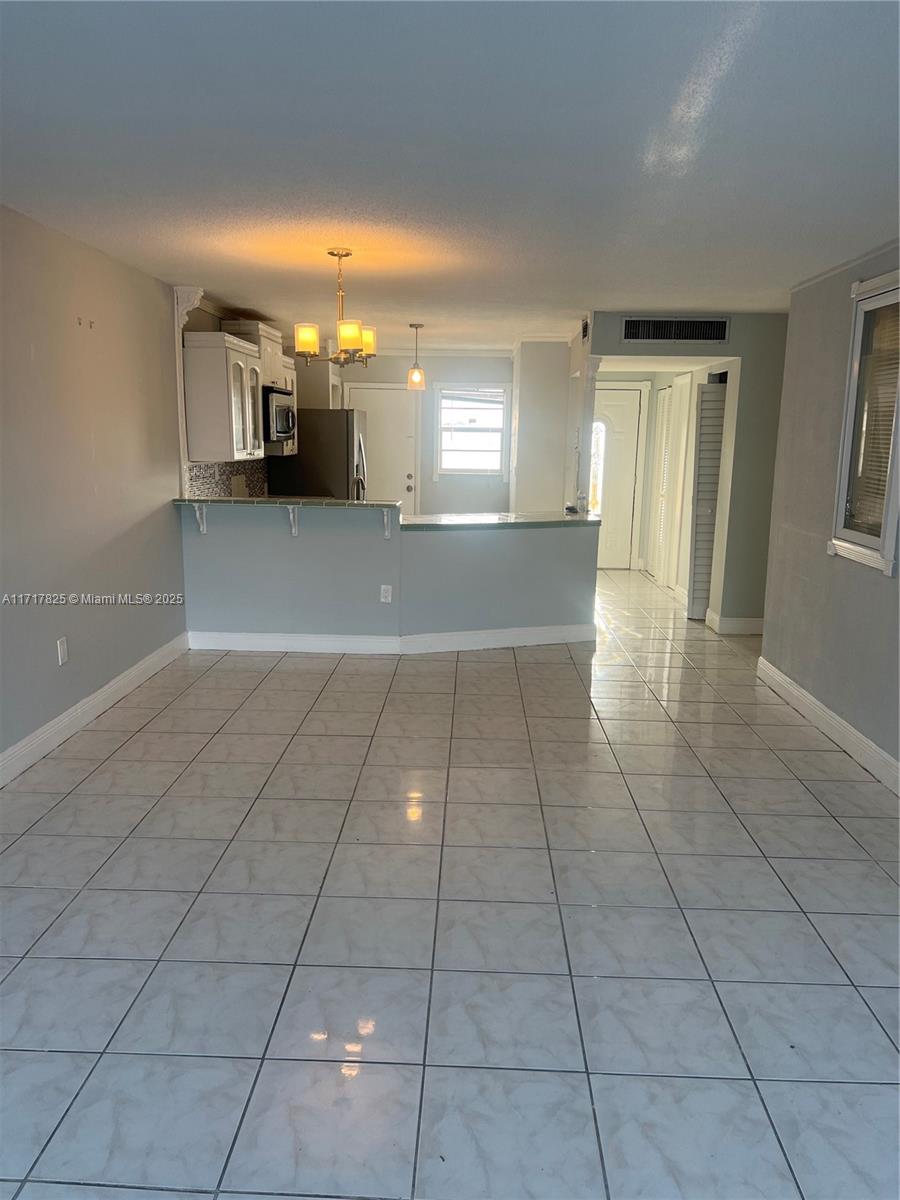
[250,584]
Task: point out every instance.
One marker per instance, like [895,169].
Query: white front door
[614,446]
[392,419]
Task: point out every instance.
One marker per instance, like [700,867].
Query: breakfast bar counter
[285,573]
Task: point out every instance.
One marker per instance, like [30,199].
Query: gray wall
[89,467]
[748,453]
[327,580]
[541,375]
[831,624]
[507,579]
[449,493]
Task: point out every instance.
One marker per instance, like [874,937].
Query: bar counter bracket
[292,512]
[200,514]
[386,517]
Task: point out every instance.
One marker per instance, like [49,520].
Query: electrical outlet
[387,593]
[62,650]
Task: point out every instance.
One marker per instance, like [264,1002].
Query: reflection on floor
[565,922]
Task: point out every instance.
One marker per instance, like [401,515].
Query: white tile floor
[567,922]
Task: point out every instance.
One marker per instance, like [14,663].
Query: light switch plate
[387,593]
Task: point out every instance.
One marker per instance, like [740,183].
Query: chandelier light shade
[349,335]
[306,340]
[357,343]
[415,376]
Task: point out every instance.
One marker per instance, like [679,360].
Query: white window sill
[482,474]
[865,555]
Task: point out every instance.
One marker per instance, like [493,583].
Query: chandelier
[357,343]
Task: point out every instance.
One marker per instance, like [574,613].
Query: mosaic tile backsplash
[208,480]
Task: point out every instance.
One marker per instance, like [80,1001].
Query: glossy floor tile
[516,923]
[702,1139]
[507,1133]
[354,1124]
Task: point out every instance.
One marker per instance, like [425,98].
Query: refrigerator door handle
[363,473]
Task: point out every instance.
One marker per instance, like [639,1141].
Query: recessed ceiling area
[499,169]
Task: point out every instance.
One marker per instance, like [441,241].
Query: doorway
[392,441]
[616,474]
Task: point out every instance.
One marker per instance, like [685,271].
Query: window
[865,520]
[471,430]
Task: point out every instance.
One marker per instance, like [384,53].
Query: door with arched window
[614,458]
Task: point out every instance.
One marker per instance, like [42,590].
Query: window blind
[471,429]
[876,402]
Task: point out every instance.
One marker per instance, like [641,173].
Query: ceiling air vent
[675,329]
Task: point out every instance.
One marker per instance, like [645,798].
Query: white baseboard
[680,594]
[309,643]
[733,625]
[416,643]
[875,760]
[491,639]
[30,749]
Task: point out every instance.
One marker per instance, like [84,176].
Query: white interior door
[392,437]
[614,452]
[662,482]
[710,423]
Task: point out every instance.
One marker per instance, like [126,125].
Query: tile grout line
[723,1009]
[296,964]
[816,930]
[417,1144]
[134,1000]
[721,1004]
[572,991]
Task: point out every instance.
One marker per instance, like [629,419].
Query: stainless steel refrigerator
[330,459]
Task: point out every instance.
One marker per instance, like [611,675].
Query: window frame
[878,552]
[500,473]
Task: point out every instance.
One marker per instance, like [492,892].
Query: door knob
[409,487]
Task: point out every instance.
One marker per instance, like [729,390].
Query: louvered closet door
[707,459]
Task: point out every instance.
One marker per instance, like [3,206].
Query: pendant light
[415,376]
[357,343]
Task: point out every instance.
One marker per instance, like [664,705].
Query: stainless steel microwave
[279,414]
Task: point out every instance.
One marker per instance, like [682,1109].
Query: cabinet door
[237,392]
[270,355]
[254,411]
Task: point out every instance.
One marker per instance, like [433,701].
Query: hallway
[560,922]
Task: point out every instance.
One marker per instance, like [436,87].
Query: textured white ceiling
[499,169]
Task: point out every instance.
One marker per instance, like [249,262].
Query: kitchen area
[301,516]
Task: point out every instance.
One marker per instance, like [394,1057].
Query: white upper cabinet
[268,342]
[289,371]
[223,378]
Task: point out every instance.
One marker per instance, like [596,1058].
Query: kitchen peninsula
[298,574]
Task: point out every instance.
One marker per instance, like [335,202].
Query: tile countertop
[424,521]
[537,520]
[287,501]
